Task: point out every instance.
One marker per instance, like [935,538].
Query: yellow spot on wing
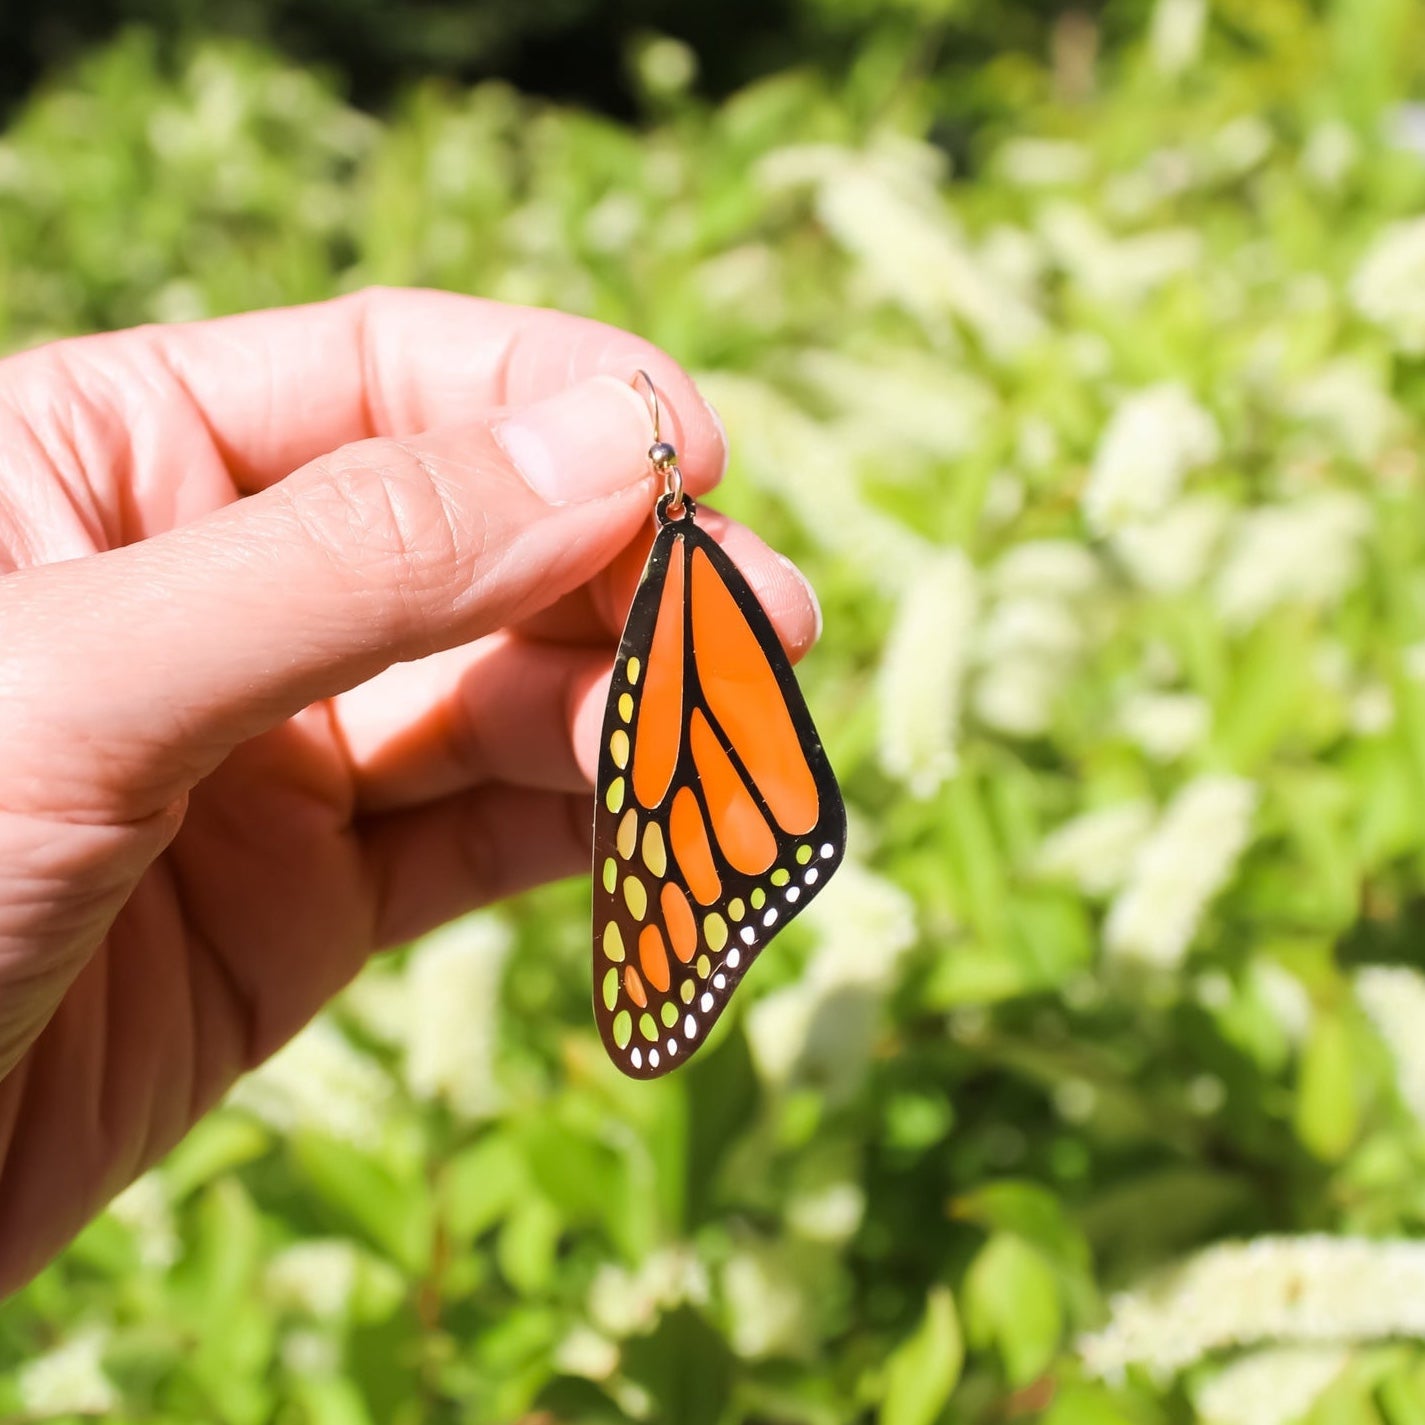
[735,908]
[632,669]
[610,874]
[655,855]
[613,942]
[686,991]
[625,706]
[627,837]
[636,896]
[647,1027]
[611,988]
[618,746]
[613,798]
[668,1014]
[623,1028]
[715,928]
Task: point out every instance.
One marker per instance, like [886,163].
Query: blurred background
[1079,356]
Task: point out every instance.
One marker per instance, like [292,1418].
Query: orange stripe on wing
[690,847]
[633,985]
[743,835]
[678,917]
[660,708]
[654,958]
[743,695]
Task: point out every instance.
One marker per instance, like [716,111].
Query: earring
[717,816]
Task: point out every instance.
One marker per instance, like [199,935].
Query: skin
[306,622]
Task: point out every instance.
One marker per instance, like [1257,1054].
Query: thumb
[132,673]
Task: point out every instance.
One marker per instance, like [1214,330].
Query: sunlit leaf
[1327,1102]
[1011,1303]
[922,1371]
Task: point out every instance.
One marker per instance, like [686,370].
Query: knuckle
[385,515]
[373,296]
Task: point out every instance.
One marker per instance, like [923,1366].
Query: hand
[306,620]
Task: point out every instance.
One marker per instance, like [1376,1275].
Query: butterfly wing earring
[717,815]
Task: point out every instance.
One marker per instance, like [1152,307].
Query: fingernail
[812,601]
[721,433]
[585,442]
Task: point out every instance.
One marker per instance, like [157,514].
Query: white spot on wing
[636,1058]
[690,1025]
[705,1004]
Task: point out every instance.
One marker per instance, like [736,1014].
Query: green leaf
[219,1271]
[722,1091]
[221,1142]
[233,1332]
[1034,1213]
[1401,1398]
[584,1179]
[568,1398]
[1029,1210]
[685,1366]
[480,1184]
[1052,936]
[1011,1303]
[1327,1114]
[1370,41]
[1262,706]
[331,1400]
[528,1244]
[924,1368]
[1084,1405]
[106,1245]
[1152,1216]
[393,1213]
[975,974]
[1346,1401]
[975,857]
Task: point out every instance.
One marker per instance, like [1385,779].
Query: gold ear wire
[642,375]
[662,455]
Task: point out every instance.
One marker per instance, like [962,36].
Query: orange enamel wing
[718,816]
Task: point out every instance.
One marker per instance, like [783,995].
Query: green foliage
[1105,463]
[578,50]
[1012,1306]
[924,1368]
